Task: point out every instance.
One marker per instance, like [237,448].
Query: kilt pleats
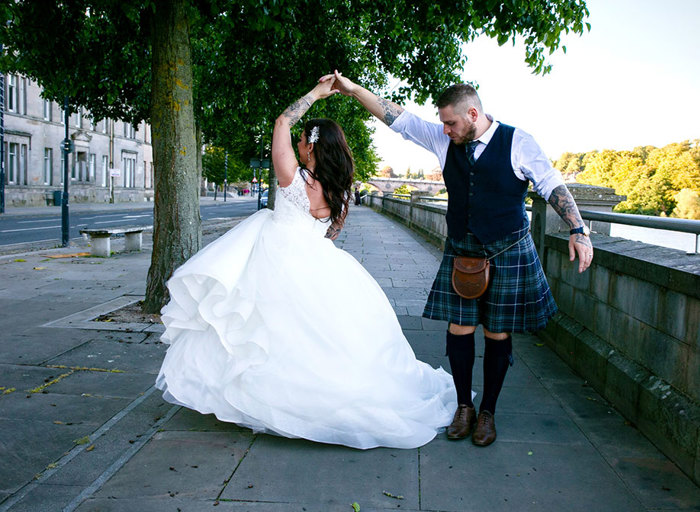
[518,298]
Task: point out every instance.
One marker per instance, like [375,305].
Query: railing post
[416,196]
[588,197]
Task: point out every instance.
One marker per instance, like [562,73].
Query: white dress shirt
[527,158]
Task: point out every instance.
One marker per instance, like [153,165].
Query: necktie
[471,146]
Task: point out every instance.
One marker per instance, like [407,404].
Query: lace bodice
[295,192]
[294,207]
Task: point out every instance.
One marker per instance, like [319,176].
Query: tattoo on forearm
[390,111]
[296,110]
[332,232]
[563,203]
[565,206]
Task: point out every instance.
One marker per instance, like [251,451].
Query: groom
[486,167]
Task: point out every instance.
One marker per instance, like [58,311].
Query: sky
[633,80]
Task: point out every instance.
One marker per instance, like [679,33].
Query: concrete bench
[100,239]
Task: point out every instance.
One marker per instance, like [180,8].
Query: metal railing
[648,221]
[645,221]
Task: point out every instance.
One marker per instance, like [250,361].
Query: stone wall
[630,325]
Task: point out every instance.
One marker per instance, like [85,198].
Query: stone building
[111,159]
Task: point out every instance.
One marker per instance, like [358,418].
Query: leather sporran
[470,276]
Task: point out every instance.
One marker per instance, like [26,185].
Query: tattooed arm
[333,231]
[283,156]
[384,110]
[579,243]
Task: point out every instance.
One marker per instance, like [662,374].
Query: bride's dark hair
[334,167]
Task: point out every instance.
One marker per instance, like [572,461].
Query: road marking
[35,221]
[28,229]
[108,221]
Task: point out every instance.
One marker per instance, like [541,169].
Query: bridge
[389,185]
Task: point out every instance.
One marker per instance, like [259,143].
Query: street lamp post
[2,140]
[66,147]
[225,175]
[259,163]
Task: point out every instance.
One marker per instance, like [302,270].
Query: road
[46,227]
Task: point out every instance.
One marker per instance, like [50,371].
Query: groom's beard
[469,136]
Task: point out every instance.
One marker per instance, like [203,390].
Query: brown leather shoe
[485,432]
[463,423]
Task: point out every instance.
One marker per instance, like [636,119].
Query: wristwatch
[581,230]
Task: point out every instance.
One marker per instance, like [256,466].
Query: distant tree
[404,189]
[687,205]
[650,177]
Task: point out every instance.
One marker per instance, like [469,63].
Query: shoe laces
[462,412]
[484,417]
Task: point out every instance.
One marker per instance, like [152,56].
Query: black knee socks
[460,351]
[498,355]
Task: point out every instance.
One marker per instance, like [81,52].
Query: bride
[274,328]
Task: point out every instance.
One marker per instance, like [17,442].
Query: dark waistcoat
[486,198]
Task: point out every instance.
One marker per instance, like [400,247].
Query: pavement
[83,428]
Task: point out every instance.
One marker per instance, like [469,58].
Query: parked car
[263,199]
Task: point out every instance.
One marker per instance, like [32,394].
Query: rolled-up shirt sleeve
[427,135]
[530,162]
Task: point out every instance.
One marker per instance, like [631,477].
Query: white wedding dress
[274,328]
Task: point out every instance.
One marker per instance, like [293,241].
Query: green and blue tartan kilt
[518,298]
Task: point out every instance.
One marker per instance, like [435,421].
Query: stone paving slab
[104,384]
[184,505]
[48,498]
[28,447]
[298,471]
[115,356]
[24,348]
[87,466]
[182,464]
[519,476]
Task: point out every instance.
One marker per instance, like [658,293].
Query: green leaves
[651,178]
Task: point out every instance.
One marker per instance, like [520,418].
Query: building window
[11,93]
[12,161]
[129,171]
[47,110]
[73,170]
[23,161]
[48,166]
[22,96]
[92,165]
[129,131]
[76,118]
[105,168]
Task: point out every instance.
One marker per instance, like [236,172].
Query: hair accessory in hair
[314,135]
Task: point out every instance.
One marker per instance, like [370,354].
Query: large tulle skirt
[274,328]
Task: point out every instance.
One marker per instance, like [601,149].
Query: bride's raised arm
[283,157]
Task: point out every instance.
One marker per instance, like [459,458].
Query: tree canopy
[656,181]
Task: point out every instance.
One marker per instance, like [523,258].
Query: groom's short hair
[460,97]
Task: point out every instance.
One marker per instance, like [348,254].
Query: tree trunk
[177,229]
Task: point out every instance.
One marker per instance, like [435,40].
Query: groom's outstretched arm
[384,110]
